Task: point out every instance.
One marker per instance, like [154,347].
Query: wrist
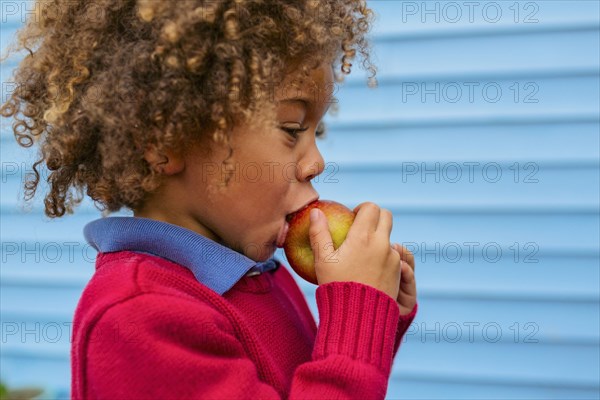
[354,319]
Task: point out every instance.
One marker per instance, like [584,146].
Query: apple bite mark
[297,242]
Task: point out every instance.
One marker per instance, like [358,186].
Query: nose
[311,165]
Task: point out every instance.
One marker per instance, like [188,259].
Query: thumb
[320,237]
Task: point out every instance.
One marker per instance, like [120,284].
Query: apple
[297,241]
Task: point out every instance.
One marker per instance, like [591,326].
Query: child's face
[272,172]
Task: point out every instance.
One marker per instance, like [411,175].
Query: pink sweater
[145,328]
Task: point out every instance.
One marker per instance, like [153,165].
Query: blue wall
[482,137]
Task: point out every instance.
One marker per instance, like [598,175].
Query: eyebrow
[307,102]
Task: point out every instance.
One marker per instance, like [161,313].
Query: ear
[166,162]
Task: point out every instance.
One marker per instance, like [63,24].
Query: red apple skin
[297,242]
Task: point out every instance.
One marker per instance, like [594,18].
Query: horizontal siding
[559,96]
[424,226]
[476,57]
[449,273]
[491,186]
[394,146]
[439,386]
[424,19]
[554,132]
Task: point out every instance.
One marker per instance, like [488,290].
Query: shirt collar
[214,265]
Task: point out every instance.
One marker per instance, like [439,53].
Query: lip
[282,234]
[288,217]
[283,230]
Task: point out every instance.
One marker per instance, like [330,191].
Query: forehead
[315,88]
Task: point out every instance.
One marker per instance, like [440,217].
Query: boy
[187,301]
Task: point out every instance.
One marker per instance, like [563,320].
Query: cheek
[255,206]
[268,184]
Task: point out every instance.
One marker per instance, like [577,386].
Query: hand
[366,255]
[407,295]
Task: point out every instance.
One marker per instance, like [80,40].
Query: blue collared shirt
[214,265]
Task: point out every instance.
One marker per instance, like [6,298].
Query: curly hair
[104,80]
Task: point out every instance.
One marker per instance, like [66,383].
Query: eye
[293,132]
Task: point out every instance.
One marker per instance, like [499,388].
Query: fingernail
[314,215]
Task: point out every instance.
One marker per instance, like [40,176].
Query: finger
[407,271]
[406,301]
[405,298]
[367,217]
[320,237]
[385,222]
[407,280]
[406,255]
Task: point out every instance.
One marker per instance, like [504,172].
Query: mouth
[286,225]
[289,217]
[282,234]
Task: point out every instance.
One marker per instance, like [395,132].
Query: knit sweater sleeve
[160,346]
[403,324]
